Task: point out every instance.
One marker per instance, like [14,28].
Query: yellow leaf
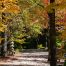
[5,1]
[2,27]
[12,9]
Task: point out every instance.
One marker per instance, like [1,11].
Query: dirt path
[26,59]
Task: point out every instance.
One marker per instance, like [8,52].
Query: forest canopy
[31,17]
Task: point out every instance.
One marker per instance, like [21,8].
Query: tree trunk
[52,37]
[4,53]
[5,44]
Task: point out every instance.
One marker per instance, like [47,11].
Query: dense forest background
[26,23]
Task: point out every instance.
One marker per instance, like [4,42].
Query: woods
[32,24]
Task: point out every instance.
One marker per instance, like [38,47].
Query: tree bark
[4,48]
[52,37]
[5,44]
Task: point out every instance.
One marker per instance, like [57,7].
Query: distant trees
[34,17]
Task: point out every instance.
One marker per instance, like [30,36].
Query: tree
[10,7]
[52,37]
[52,34]
[61,20]
[34,17]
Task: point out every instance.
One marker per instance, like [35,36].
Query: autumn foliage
[34,13]
[7,6]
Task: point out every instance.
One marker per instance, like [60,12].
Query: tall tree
[52,32]
[52,36]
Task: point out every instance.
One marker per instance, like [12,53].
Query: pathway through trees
[27,59]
